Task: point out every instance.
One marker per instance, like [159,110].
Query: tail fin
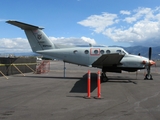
[36,37]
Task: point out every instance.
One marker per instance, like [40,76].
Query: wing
[108,60]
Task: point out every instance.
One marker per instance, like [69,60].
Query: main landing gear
[104,78]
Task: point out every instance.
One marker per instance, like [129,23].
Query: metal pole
[64,70]
[89,85]
[98,85]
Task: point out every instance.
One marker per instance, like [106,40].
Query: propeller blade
[149,53]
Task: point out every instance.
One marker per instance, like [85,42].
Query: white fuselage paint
[78,55]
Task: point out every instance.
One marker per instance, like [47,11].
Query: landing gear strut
[104,78]
[148,75]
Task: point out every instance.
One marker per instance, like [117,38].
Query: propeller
[150,53]
[149,57]
[150,62]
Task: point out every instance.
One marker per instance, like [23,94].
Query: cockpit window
[118,51]
[123,52]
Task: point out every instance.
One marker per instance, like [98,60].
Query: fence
[10,66]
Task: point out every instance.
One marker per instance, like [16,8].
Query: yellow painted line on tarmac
[18,64]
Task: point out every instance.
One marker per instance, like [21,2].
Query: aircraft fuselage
[86,56]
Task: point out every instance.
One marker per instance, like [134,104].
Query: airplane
[108,59]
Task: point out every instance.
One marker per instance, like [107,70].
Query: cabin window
[108,51]
[86,51]
[102,51]
[95,51]
[75,51]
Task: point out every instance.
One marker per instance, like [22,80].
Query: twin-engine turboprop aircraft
[109,59]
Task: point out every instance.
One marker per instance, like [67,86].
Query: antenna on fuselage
[90,45]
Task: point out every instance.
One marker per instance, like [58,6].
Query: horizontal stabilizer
[23,26]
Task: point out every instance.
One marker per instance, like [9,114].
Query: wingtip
[9,21]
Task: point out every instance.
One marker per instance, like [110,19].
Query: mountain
[144,51]
[22,54]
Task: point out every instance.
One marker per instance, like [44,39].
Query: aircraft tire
[104,79]
[148,77]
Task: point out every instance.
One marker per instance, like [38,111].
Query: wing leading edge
[108,60]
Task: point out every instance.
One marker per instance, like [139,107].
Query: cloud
[3,20]
[125,12]
[72,41]
[141,26]
[140,13]
[16,45]
[99,22]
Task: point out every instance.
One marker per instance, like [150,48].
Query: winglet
[23,26]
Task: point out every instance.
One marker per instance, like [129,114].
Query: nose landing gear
[148,77]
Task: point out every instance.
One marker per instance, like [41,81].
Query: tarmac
[50,96]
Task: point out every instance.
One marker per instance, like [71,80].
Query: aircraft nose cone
[151,62]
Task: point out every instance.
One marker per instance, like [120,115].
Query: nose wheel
[148,77]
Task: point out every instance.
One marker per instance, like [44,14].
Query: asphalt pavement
[51,96]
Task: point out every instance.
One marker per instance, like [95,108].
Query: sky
[80,22]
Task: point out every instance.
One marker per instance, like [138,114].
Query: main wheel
[104,78]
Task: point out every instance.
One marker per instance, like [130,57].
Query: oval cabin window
[95,51]
[108,51]
[102,51]
[86,51]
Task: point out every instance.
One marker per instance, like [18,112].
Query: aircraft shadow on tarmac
[81,85]
[52,77]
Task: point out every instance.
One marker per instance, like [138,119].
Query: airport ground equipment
[98,86]
[43,67]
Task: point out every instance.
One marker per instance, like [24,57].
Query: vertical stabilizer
[36,37]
